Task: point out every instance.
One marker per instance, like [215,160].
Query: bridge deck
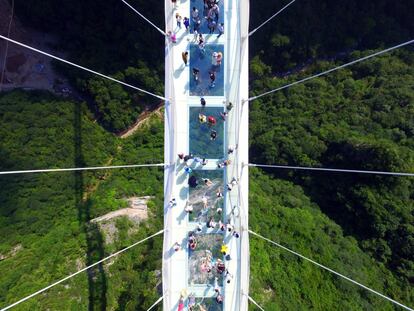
[185,272]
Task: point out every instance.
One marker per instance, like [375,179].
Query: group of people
[204,211]
[211,74]
[223,227]
[216,60]
[189,160]
[218,267]
[191,305]
[210,121]
[210,224]
[211,15]
[208,265]
[193,182]
[211,20]
[227,277]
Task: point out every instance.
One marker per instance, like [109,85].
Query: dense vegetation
[108,37]
[359,118]
[312,29]
[45,228]
[281,281]
[118,42]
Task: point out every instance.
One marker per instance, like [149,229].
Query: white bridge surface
[177,139]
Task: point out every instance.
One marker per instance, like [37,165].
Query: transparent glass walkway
[205,260]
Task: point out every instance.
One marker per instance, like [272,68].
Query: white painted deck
[175,264]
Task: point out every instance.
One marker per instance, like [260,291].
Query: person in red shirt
[212,120]
[181,304]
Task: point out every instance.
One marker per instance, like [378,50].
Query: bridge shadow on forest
[97,283]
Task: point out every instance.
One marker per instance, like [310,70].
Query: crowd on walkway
[209,16]
[216,61]
[212,202]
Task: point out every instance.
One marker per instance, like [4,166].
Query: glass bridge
[205,208]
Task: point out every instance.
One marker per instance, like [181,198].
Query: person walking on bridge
[216,11]
[178,18]
[212,79]
[219,299]
[184,55]
[228,277]
[212,24]
[211,121]
[181,304]
[224,249]
[202,118]
[195,15]
[172,203]
[213,135]
[186,23]
[216,286]
[196,73]
[207,182]
[201,42]
[188,208]
[177,246]
[220,29]
[191,302]
[204,200]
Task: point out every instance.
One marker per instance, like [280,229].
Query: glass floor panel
[201,214]
[203,61]
[207,304]
[205,257]
[203,13]
[201,144]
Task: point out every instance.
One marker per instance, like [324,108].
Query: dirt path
[137,210]
[142,119]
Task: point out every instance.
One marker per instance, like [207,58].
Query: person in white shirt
[195,14]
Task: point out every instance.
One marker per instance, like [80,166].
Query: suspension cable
[155,303]
[330,270]
[255,303]
[331,170]
[80,271]
[81,67]
[3,70]
[333,69]
[136,11]
[80,169]
[270,18]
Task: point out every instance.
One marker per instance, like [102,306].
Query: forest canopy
[361,117]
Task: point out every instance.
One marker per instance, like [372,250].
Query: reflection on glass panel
[203,304]
[198,20]
[206,70]
[206,198]
[205,260]
[202,143]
